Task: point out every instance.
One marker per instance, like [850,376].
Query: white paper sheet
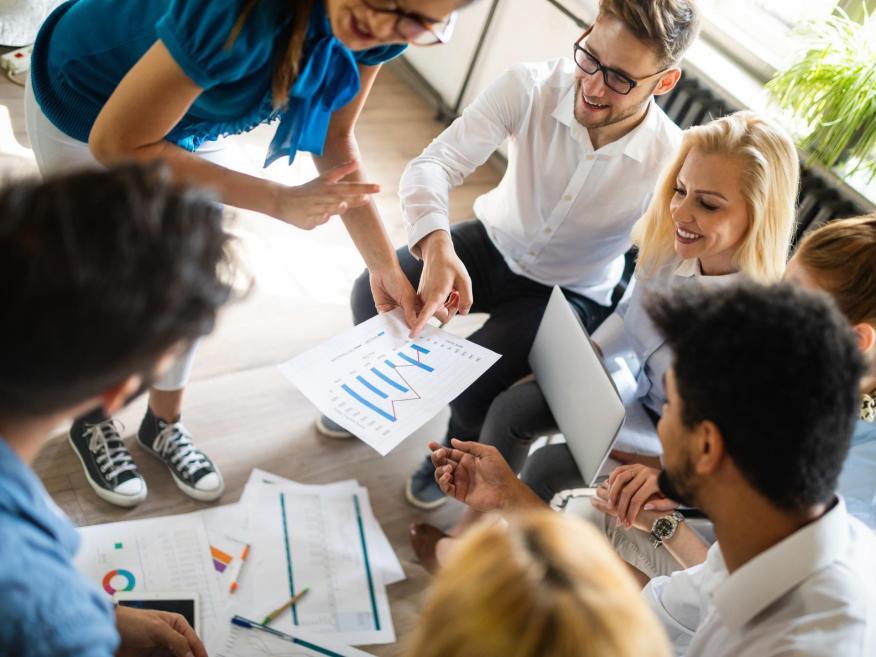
[384,556]
[157,555]
[242,642]
[380,385]
[317,540]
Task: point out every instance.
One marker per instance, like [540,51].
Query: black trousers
[515,305]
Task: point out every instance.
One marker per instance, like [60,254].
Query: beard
[607,117]
[678,486]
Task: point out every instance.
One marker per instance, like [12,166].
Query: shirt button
[532,253]
[548,231]
[591,157]
[567,197]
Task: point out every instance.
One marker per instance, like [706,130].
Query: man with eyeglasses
[586,145]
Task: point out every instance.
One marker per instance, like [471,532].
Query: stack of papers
[321,537]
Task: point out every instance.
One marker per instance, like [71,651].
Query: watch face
[663,527]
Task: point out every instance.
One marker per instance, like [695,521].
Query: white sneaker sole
[126,501]
[331,433]
[420,504]
[194,493]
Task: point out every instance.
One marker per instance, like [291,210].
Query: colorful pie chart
[126,574]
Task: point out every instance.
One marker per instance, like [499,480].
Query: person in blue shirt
[60,358]
[166,79]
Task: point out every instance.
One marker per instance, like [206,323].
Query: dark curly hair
[777,369]
[102,273]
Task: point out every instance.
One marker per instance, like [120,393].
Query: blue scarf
[328,80]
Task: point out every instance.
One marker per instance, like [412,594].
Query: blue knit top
[85,47]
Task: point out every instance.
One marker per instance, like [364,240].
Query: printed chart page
[384,557]
[382,386]
[242,642]
[157,555]
[318,541]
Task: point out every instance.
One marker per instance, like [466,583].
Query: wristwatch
[664,528]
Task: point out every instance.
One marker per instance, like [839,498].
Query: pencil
[234,582]
[279,610]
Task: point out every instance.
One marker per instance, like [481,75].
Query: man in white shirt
[586,145]
[761,404]
[760,412]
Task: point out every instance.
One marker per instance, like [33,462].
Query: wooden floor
[242,412]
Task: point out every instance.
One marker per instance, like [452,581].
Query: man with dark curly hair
[82,331]
[761,404]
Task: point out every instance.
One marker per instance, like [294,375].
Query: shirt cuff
[423,226]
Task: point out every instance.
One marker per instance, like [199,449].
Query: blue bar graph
[411,361]
[386,379]
[367,403]
[417,347]
[391,364]
[375,390]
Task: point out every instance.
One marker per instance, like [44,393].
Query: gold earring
[868,407]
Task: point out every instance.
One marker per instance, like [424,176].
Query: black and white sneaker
[194,473]
[107,463]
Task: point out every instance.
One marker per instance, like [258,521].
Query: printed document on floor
[381,385]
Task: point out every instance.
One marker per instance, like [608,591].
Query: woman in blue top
[164,79]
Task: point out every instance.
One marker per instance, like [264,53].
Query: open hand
[474,474]
[314,203]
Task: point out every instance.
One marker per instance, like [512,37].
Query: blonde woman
[544,586]
[723,207]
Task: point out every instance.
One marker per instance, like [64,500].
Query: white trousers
[56,152]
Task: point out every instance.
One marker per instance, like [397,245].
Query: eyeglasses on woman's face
[618,82]
[416,29]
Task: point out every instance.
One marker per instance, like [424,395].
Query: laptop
[578,389]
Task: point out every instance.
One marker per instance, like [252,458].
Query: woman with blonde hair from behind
[545,585]
[724,207]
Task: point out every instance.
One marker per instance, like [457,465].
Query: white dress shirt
[562,214]
[812,594]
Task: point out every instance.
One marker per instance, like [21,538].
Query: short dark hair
[101,273]
[777,369]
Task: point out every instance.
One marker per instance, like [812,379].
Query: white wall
[522,30]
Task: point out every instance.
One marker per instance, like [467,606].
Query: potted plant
[830,93]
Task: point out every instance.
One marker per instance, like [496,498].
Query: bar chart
[380,384]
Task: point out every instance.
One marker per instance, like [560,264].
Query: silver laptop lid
[576,385]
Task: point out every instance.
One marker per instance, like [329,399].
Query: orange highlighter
[240,562]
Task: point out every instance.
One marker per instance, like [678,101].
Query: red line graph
[410,387]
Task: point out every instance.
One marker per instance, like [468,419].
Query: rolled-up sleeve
[494,116]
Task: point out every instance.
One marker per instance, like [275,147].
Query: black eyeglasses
[614,80]
[416,29]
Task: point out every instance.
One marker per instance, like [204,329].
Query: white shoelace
[174,442]
[105,442]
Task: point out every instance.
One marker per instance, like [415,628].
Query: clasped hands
[632,496]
